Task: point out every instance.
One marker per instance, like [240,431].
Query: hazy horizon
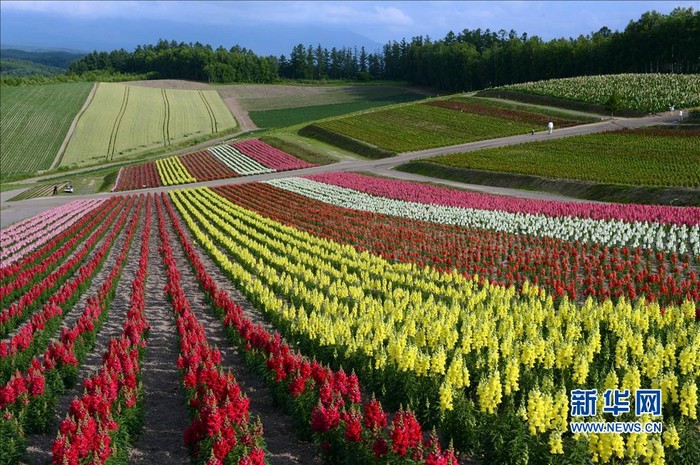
[273,28]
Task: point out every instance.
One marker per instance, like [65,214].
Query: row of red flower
[138,177]
[100,424]
[59,288]
[220,430]
[204,166]
[29,398]
[329,402]
[33,266]
[573,269]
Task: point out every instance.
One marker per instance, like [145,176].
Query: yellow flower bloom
[689,400]
[671,438]
[489,393]
[556,446]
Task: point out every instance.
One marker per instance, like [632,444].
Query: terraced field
[35,120]
[421,126]
[123,120]
[644,157]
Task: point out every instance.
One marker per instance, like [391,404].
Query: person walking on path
[550,127]
[55,190]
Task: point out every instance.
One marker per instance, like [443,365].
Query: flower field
[391,322]
[644,92]
[246,157]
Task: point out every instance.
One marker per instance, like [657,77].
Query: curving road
[11,212]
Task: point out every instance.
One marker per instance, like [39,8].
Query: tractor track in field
[210,112]
[283,448]
[166,119]
[59,155]
[117,122]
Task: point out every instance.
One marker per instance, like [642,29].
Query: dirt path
[39,445]
[69,134]
[278,427]
[164,406]
[244,122]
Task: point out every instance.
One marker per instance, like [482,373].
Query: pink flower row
[10,315]
[418,192]
[270,156]
[26,334]
[9,234]
[62,352]
[16,242]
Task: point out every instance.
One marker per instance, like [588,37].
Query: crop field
[537,117]
[373,311]
[422,126]
[123,120]
[641,158]
[35,120]
[643,92]
[297,115]
[256,97]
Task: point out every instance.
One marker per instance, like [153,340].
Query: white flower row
[238,162]
[658,236]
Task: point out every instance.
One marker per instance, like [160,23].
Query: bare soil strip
[169,84]
[244,122]
[164,406]
[71,129]
[39,445]
[278,426]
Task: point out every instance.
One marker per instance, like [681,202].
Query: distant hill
[22,68]
[53,58]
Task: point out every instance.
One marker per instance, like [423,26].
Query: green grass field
[640,158]
[123,120]
[35,120]
[296,115]
[420,126]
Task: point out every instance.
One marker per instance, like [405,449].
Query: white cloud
[213,12]
[379,20]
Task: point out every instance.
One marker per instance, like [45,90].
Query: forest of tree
[471,59]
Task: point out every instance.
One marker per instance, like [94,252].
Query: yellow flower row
[172,171]
[446,326]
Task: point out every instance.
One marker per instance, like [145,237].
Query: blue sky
[274,27]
